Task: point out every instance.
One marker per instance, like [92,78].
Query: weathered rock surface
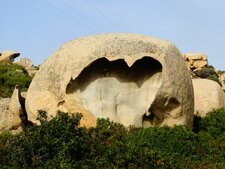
[132,79]
[196,61]
[208,96]
[4,104]
[28,65]
[222,80]
[8,56]
[11,112]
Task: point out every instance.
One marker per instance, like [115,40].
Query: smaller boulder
[208,95]
[8,56]
[15,102]
[196,61]
[11,113]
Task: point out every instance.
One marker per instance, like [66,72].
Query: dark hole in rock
[157,112]
[138,73]
[172,104]
[13,56]
[148,120]
[115,90]
[196,123]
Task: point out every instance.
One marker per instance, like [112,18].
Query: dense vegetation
[208,72]
[61,143]
[11,75]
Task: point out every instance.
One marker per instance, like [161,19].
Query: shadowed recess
[112,89]
[138,73]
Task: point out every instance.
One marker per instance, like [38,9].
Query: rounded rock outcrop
[8,56]
[131,79]
[208,95]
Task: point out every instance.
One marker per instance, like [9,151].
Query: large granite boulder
[132,79]
[208,95]
[8,56]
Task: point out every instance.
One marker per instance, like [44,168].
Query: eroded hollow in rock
[113,89]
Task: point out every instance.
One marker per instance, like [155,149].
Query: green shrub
[4,137]
[54,144]
[214,123]
[205,72]
[11,75]
[62,143]
[208,73]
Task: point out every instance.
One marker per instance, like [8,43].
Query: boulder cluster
[128,78]
[208,83]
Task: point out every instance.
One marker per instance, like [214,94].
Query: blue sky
[36,28]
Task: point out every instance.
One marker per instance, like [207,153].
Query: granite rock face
[11,112]
[28,65]
[222,80]
[196,61]
[8,56]
[208,96]
[132,79]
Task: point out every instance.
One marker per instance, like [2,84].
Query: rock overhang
[8,56]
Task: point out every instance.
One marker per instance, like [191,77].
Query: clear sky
[36,28]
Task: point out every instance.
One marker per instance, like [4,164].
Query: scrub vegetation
[62,143]
[11,75]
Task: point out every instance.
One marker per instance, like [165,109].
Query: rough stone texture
[8,56]
[28,65]
[4,113]
[208,96]
[10,113]
[15,102]
[196,61]
[222,80]
[4,104]
[132,79]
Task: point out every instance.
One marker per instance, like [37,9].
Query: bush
[11,75]
[214,123]
[4,137]
[54,144]
[208,73]
[62,143]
